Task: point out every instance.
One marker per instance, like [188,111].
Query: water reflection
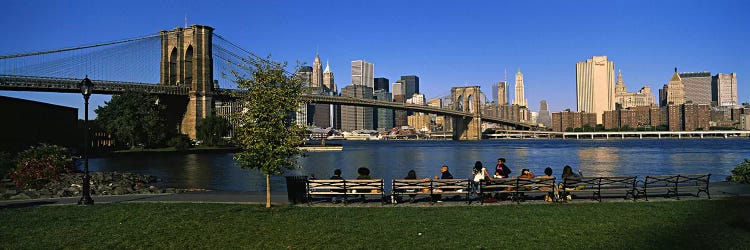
[599,161]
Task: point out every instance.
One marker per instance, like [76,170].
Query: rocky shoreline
[102,183]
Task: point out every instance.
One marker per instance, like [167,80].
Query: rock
[119,191]
[21,196]
[170,190]
[139,186]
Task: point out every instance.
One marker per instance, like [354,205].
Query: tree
[135,118]
[267,134]
[212,129]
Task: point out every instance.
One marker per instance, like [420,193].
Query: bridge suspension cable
[128,60]
[78,47]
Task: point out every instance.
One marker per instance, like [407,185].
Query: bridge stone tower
[467,99]
[186,60]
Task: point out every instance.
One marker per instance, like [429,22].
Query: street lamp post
[86,87]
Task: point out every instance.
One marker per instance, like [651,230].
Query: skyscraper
[328,82]
[305,73]
[697,87]
[399,116]
[595,86]
[382,83]
[411,85]
[353,117]
[519,100]
[317,72]
[724,89]
[383,117]
[500,92]
[675,90]
[544,116]
[362,73]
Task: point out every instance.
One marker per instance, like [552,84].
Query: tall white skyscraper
[519,100]
[595,86]
[328,79]
[724,89]
[362,74]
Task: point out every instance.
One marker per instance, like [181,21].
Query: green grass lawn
[696,224]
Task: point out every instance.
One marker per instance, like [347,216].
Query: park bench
[517,189]
[447,187]
[669,185]
[412,188]
[345,189]
[599,187]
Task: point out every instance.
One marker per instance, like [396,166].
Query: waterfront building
[520,99]
[317,72]
[696,116]
[381,83]
[417,98]
[697,87]
[353,117]
[420,122]
[544,118]
[437,121]
[28,123]
[362,73]
[569,121]
[675,90]
[383,117]
[724,89]
[228,111]
[643,97]
[300,116]
[631,118]
[305,76]
[328,81]
[595,91]
[674,117]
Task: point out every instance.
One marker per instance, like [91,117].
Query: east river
[393,159]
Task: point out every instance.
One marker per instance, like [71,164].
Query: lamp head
[86,86]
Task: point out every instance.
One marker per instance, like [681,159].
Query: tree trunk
[268,191]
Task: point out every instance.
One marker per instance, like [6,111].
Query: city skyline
[444,44]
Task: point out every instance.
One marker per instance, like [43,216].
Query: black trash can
[296,189]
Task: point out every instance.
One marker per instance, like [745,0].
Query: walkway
[718,190]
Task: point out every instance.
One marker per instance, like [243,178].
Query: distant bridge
[70,85]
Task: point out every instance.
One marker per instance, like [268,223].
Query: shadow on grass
[26,204]
[714,224]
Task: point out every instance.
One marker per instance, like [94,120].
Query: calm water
[393,159]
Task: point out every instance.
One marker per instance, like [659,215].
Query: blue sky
[445,43]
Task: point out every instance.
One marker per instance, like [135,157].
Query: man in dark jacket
[501,168]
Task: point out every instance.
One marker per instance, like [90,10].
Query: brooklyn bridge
[190,69]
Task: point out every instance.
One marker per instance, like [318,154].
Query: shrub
[38,165]
[741,173]
[180,142]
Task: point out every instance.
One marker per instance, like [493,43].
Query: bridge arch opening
[471,103]
[173,67]
[460,103]
[189,65]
